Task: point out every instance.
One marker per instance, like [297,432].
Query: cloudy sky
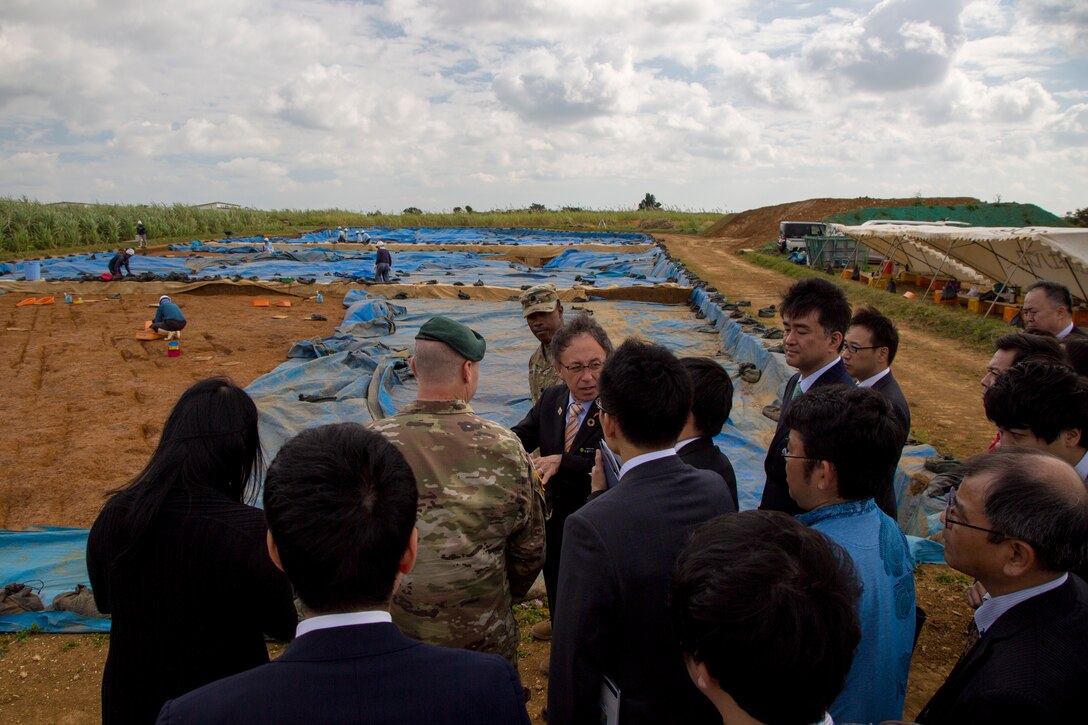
[709,104]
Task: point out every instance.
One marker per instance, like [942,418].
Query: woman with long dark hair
[181,563]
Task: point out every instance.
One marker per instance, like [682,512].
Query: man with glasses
[565,425]
[868,351]
[815,315]
[1019,524]
[1045,406]
[842,442]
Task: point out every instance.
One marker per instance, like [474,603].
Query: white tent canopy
[918,258]
[1016,256]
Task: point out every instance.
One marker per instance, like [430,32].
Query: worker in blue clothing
[120,260]
[169,321]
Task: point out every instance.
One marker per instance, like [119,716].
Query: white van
[792,234]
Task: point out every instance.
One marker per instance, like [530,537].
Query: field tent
[908,255]
[1015,256]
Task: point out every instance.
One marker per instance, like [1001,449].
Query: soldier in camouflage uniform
[481,507]
[543,314]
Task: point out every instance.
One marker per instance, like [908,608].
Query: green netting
[979,215]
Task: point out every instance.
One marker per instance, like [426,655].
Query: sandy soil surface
[86,402]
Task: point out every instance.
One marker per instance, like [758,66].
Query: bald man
[481,506]
[1019,524]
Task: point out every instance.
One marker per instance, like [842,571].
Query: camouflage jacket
[541,374]
[481,527]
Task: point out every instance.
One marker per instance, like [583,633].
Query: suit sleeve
[525,546]
[528,430]
[584,619]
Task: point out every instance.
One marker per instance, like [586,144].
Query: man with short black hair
[740,587]
[868,352]
[619,551]
[543,313]
[815,315]
[1019,525]
[481,508]
[711,403]
[1043,406]
[842,442]
[341,508]
[1049,306]
[1015,347]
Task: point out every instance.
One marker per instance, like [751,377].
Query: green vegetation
[949,577]
[28,227]
[69,645]
[649,202]
[24,634]
[954,323]
[997,214]
[529,613]
[1078,218]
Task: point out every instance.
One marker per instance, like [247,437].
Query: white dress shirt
[342,619]
[806,383]
[993,607]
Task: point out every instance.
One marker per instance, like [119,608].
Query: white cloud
[718,103]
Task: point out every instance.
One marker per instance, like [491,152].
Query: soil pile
[759,226]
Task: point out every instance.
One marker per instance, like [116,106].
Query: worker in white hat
[383,263]
[120,260]
[169,321]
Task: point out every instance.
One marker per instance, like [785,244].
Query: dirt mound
[759,226]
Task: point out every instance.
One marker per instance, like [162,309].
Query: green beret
[467,342]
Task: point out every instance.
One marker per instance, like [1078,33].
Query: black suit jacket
[545,427]
[1077,332]
[1029,667]
[888,386]
[619,554]
[703,454]
[776,494]
[362,673]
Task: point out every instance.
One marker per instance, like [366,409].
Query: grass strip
[955,323]
[29,228]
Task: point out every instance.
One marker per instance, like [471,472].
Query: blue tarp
[327,265]
[373,341]
[54,558]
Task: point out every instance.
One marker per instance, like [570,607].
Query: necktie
[573,412]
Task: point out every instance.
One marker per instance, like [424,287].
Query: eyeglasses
[949,522]
[786,454]
[855,349]
[578,368]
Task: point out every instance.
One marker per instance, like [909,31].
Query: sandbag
[19,598]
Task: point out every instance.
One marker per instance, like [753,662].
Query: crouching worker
[119,261]
[341,507]
[169,321]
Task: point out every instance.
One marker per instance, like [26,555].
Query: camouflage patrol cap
[467,342]
[540,298]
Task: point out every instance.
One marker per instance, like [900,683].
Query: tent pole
[1006,283]
[941,267]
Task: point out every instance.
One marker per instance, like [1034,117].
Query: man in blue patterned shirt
[842,442]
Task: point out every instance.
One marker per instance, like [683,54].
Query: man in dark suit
[619,552]
[711,403]
[341,507]
[1049,306]
[815,315]
[868,351]
[565,425]
[1019,524]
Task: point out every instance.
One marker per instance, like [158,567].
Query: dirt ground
[86,402]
